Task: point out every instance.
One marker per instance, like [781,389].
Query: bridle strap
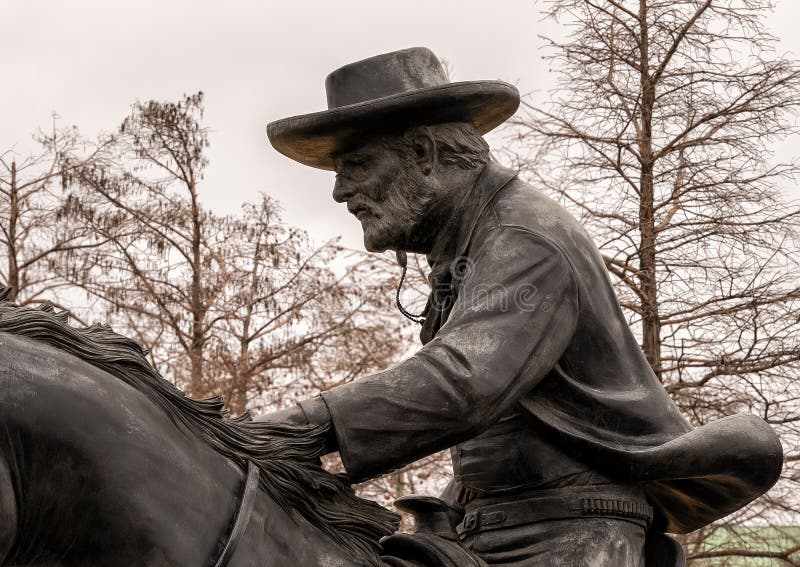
[242,514]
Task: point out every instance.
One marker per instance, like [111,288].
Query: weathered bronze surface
[105,463]
[566,448]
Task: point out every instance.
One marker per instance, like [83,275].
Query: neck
[455,185]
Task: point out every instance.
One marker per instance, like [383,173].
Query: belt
[589,502]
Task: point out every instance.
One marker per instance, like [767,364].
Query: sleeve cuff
[315,410]
[350,463]
[317,413]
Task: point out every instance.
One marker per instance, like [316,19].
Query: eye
[356,162]
[354,168]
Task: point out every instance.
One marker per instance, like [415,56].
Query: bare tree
[659,135]
[295,325]
[36,227]
[162,271]
[241,304]
[303,319]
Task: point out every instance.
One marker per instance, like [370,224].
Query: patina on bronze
[103,462]
[566,448]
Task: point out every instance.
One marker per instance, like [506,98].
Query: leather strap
[591,504]
[242,514]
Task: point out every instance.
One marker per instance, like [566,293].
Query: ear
[424,151]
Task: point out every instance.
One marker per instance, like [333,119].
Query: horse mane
[287,455]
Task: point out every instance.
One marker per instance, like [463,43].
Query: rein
[242,515]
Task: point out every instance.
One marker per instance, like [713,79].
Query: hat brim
[313,139]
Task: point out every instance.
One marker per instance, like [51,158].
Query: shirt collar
[453,239]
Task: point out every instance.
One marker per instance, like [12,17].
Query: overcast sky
[256,61]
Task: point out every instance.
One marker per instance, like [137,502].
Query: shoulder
[523,228]
[524,208]
[523,205]
[512,253]
[520,205]
[516,273]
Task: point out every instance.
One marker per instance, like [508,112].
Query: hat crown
[384,75]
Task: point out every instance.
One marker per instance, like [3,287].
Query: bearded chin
[377,236]
[406,203]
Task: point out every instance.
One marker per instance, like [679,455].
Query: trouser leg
[590,542]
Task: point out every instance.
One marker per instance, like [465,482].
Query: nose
[341,190]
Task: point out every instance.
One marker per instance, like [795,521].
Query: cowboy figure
[566,448]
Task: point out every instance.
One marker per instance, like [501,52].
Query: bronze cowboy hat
[385,93]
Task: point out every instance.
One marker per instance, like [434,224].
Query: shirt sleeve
[514,316]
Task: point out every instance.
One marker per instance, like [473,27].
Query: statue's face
[387,193]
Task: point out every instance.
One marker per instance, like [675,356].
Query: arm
[514,317]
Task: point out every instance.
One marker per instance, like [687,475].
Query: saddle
[435,541]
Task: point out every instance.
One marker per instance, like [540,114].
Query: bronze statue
[566,449]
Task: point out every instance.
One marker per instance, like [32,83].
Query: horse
[103,462]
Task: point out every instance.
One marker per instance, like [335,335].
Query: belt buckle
[470,522]
[478,519]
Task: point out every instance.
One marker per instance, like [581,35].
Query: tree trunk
[237,403]
[13,217]
[198,307]
[651,324]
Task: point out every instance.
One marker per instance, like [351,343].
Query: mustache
[359,204]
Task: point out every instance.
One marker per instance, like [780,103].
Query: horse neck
[275,538]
